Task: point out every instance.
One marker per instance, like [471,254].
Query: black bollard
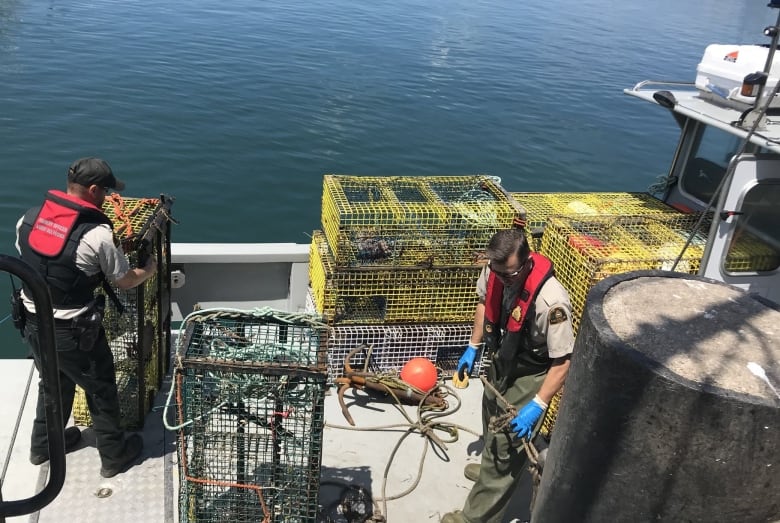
[665,415]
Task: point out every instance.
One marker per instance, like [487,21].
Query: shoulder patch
[557,315]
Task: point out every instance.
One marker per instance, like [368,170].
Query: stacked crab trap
[396,263]
[584,236]
[249,389]
[590,236]
[139,334]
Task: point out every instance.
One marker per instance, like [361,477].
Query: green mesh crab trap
[428,221]
[140,336]
[250,392]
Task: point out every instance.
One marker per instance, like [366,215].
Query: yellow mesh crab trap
[589,247]
[541,206]
[250,389]
[748,253]
[392,295]
[430,221]
[586,250]
[139,337]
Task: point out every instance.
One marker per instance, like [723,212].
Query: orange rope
[122,214]
[183,459]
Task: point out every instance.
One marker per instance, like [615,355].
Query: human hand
[151,264]
[524,422]
[466,361]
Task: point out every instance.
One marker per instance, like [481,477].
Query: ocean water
[237,109]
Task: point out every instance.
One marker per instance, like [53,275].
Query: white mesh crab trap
[391,346]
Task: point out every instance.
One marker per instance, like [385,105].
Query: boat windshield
[754,245]
[711,151]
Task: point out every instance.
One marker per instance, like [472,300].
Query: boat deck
[148,490]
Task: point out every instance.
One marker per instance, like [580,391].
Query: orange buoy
[420,373]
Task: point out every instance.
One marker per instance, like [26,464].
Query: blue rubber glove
[466,361]
[525,420]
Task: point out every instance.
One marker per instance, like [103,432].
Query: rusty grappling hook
[386,383]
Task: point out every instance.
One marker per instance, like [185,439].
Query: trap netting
[139,337]
[425,221]
[250,394]
[389,295]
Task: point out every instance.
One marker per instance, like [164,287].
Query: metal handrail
[50,376]
[661,83]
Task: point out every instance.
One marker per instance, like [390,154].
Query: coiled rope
[427,423]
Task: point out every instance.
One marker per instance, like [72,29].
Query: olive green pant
[503,458]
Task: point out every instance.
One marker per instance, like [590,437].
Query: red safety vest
[509,349]
[48,238]
[541,271]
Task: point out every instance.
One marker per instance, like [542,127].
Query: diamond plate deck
[146,492]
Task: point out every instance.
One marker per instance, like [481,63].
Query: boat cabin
[727,167]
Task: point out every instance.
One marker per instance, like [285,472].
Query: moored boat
[713,214]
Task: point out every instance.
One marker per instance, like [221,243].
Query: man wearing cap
[524,319]
[70,242]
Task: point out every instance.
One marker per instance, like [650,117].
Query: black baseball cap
[93,171]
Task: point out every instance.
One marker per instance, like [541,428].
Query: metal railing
[50,375]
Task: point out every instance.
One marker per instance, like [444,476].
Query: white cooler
[724,67]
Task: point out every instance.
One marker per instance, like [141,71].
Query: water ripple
[239,108]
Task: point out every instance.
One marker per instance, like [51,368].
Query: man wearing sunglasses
[70,242]
[524,319]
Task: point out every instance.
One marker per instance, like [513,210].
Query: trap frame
[250,392]
[139,337]
[412,221]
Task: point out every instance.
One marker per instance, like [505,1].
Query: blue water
[238,108]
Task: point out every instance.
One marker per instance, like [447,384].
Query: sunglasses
[507,275]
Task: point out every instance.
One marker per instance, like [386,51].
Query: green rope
[230,347]
[482,215]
